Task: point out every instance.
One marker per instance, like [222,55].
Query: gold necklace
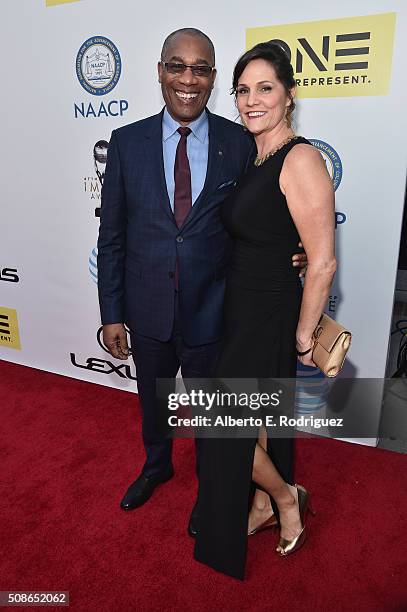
[260,160]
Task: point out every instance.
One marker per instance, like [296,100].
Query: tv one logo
[337,57]
[9,332]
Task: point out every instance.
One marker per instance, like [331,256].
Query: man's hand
[300,261]
[115,339]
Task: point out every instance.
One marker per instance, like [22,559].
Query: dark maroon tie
[182,177]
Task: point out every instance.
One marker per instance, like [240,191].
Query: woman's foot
[261,518]
[261,515]
[290,520]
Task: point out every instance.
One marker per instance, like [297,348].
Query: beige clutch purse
[332,342]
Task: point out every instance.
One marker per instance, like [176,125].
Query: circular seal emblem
[332,160]
[98,65]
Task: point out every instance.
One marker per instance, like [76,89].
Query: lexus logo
[104,366]
[9,274]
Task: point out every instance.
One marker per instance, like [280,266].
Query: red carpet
[69,449]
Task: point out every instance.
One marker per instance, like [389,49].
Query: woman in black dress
[286,196]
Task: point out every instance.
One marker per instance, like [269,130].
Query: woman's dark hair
[276,57]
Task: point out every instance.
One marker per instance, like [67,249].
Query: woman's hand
[301,348]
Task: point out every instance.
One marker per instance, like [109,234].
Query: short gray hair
[188,32]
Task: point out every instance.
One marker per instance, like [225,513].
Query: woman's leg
[285,495]
[261,509]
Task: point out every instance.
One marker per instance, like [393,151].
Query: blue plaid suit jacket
[139,240]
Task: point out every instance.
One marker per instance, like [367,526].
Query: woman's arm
[305,182]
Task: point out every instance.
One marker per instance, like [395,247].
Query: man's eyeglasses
[199,70]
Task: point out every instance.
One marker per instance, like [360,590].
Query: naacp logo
[98,65]
[332,160]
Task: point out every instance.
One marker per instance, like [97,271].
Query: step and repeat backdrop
[74,70]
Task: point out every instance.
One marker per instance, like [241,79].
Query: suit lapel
[216,153]
[155,163]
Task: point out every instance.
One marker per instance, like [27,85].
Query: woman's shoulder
[302,155]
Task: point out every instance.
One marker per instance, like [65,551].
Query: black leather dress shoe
[193,519]
[142,489]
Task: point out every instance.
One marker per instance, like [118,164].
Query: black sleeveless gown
[261,311]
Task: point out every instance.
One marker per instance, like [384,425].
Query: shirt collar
[199,127]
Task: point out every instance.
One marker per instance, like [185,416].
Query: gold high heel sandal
[270,523]
[287,547]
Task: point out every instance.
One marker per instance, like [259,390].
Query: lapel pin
[220,152]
